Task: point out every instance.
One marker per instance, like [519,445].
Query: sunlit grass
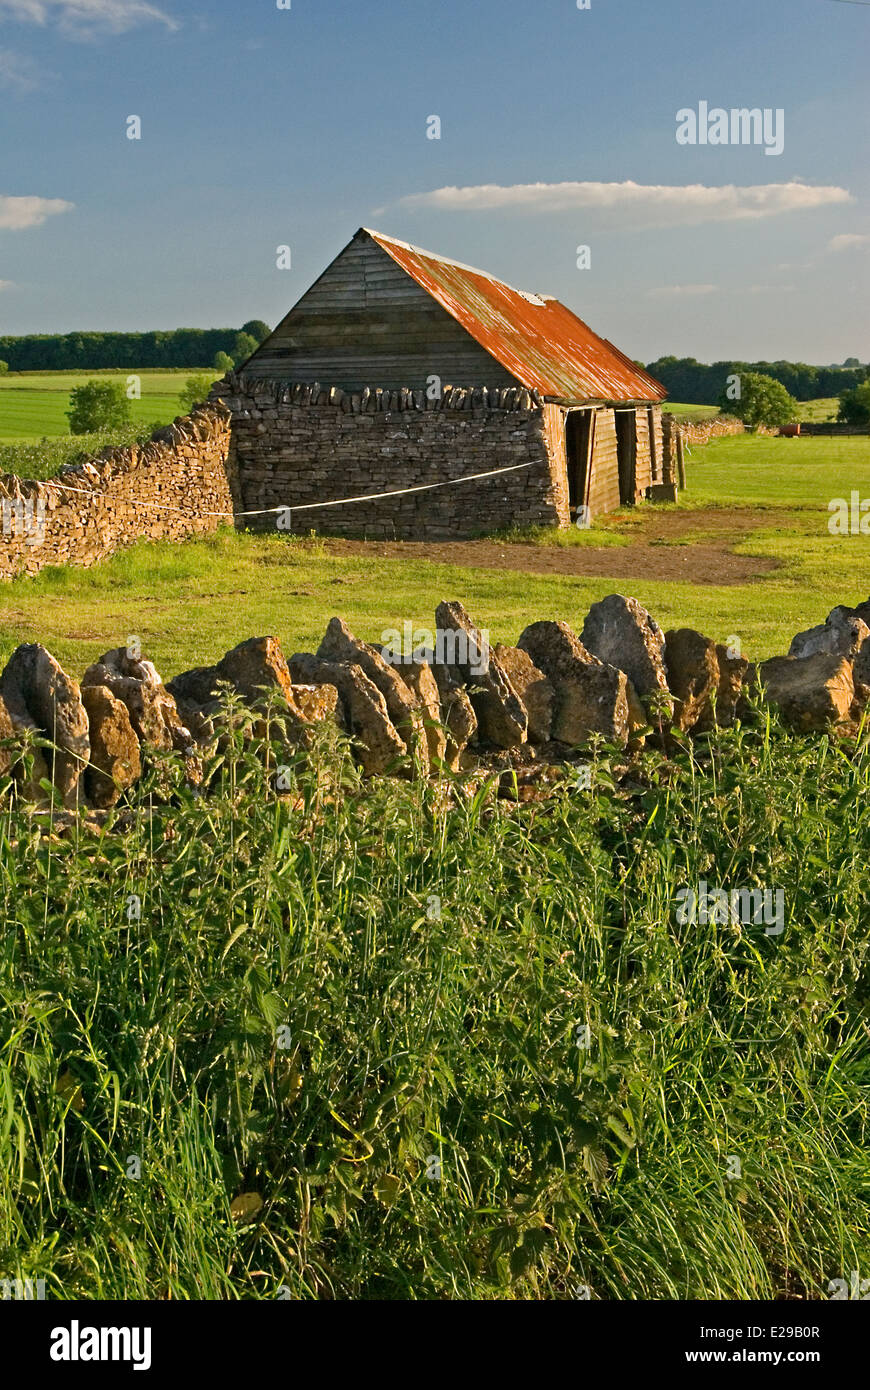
[290,1017]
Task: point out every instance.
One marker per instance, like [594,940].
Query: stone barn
[402,372]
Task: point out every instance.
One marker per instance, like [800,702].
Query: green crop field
[823,409]
[690,412]
[32,404]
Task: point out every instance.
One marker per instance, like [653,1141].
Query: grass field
[690,412]
[32,404]
[191,602]
[825,408]
[746,470]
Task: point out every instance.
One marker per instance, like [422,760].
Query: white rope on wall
[307,506]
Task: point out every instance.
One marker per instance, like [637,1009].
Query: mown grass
[190,602]
[752,470]
[360,1011]
[33,404]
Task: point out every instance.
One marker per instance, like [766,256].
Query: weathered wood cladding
[365,322]
[604,482]
[642,461]
[656,443]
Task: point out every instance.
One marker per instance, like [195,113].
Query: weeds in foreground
[413,1042]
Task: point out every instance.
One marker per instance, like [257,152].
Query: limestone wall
[702,431]
[295,444]
[164,490]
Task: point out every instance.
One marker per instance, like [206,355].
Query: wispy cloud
[87,17]
[667,291]
[6,285]
[848,241]
[17,72]
[664,205]
[16,214]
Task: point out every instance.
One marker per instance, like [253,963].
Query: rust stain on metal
[542,343]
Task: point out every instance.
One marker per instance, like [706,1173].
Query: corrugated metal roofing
[542,343]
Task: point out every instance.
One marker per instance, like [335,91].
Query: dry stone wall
[179,484]
[461,706]
[299,444]
[702,431]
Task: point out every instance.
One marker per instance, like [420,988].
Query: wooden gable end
[366,322]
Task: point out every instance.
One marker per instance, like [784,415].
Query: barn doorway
[626,451]
[578,440]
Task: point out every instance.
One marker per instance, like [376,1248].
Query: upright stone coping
[410,715]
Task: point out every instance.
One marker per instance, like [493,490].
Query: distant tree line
[178,347]
[697,383]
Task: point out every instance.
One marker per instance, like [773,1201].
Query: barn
[406,395]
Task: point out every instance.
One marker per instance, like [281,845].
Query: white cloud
[848,241]
[6,284]
[86,16]
[16,214]
[664,205]
[17,72]
[667,290]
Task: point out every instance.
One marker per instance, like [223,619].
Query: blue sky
[264,127]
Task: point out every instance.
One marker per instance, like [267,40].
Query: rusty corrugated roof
[542,343]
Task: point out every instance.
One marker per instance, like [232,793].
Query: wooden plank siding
[655,444]
[642,462]
[604,485]
[366,322]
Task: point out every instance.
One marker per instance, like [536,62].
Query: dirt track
[656,550]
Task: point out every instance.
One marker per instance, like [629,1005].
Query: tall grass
[332,996]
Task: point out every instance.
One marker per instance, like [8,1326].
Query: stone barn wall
[295,444]
[164,490]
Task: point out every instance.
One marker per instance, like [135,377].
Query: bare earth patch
[660,546]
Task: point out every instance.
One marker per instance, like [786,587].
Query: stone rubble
[516,712]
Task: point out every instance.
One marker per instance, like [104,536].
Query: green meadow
[32,404]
